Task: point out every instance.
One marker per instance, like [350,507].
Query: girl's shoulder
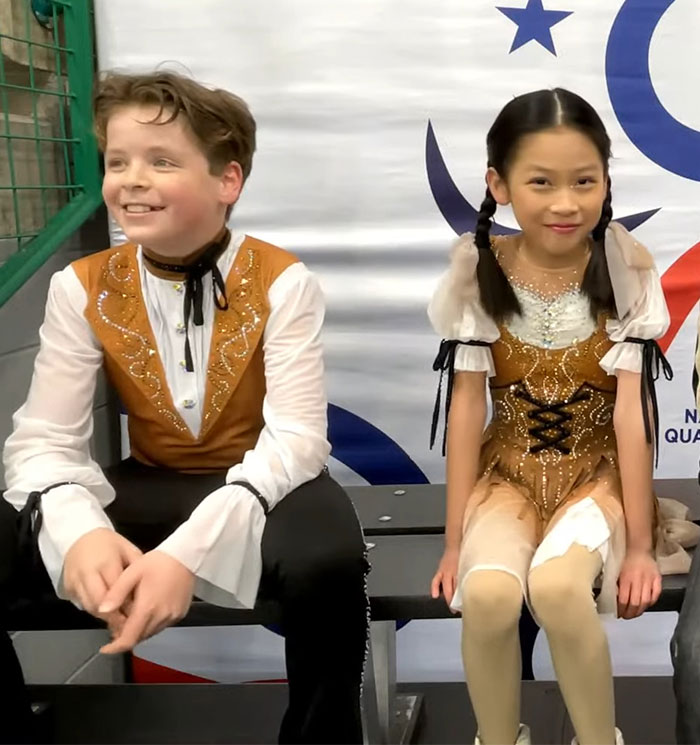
[504,248]
[455,307]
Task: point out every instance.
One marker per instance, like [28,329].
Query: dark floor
[217,714]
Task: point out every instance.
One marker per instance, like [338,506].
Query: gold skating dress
[548,465]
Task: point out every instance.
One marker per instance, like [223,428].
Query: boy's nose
[135,177]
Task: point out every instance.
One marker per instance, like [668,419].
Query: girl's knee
[559,598]
[492,601]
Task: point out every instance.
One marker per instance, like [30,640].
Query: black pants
[314,567]
[685,655]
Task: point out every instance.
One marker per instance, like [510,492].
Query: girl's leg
[492,601]
[562,597]
[497,551]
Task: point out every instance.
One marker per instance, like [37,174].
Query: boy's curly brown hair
[220,121]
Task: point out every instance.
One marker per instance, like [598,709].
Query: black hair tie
[445,361]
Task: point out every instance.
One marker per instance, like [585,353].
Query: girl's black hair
[524,115]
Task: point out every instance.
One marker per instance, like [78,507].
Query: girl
[557,492]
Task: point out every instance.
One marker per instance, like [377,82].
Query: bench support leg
[372,733]
[396,716]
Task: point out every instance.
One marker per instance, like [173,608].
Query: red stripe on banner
[681,283]
[144,671]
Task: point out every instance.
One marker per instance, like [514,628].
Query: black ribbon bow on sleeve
[653,363]
[30,519]
[445,362]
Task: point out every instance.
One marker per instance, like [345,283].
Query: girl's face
[556,185]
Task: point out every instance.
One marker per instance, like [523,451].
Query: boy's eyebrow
[155,149]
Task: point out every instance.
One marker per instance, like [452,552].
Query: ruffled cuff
[67,513]
[220,544]
[471,358]
[622,356]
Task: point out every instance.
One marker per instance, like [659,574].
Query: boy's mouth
[140,209]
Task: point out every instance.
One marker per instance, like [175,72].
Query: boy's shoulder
[269,250]
[90,267]
[272,259]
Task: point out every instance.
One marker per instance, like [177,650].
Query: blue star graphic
[534,24]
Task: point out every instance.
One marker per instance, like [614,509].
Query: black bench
[403,526]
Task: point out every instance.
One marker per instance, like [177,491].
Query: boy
[212,343]
[685,644]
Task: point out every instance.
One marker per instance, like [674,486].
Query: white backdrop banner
[372,119]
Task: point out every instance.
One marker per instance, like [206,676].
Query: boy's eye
[539,181]
[162,163]
[585,181]
[115,163]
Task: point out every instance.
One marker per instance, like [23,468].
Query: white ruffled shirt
[455,310]
[221,541]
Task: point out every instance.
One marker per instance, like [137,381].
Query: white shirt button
[180,328]
[188,403]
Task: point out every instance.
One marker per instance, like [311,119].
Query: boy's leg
[685,655]
[15,713]
[314,565]
[150,504]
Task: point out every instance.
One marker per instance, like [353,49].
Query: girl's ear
[498,187]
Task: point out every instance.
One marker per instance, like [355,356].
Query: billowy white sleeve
[50,442]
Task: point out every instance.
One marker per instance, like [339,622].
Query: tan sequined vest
[232,414]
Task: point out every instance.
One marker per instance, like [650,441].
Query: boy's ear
[498,187]
[231,183]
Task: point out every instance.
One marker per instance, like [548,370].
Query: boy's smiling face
[158,184]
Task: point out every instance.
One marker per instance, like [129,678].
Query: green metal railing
[49,163]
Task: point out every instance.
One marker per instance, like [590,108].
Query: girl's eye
[539,181]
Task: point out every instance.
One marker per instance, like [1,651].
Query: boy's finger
[93,590]
[130,634]
[120,591]
[129,552]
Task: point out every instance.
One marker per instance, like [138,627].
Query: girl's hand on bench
[445,578]
[153,593]
[639,585]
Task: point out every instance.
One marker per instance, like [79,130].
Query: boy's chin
[151,238]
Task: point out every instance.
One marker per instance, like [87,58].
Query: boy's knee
[492,601]
[685,650]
